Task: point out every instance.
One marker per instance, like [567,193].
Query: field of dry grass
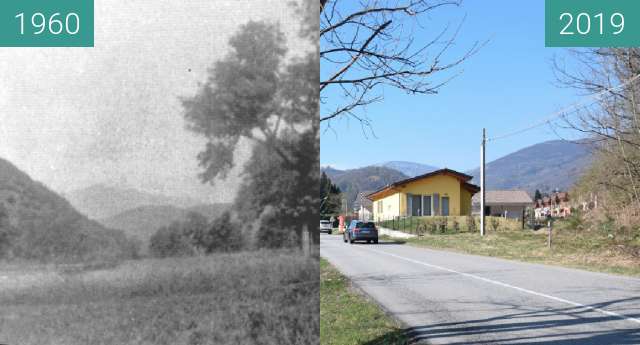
[590,250]
[259,298]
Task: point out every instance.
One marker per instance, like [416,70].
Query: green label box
[592,23]
[46,23]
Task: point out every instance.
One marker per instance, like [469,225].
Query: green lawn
[347,318]
[585,250]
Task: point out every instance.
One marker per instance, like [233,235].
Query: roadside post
[482,185]
[550,229]
[306,241]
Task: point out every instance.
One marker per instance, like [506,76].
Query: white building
[363,206]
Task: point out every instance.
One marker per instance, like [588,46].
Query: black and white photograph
[160,187]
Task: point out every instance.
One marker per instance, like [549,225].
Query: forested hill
[353,181]
[142,222]
[37,223]
[545,166]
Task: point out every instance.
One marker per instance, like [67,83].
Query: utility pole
[482,177]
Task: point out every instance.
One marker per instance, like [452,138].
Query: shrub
[196,235]
[430,225]
[471,223]
[456,225]
[271,232]
[223,235]
[441,224]
[495,223]
[170,241]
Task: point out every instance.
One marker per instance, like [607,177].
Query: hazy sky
[73,117]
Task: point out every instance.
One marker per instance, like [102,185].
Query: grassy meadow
[585,249]
[347,318]
[265,297]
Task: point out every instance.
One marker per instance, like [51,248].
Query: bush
[471,224]
[495,223]
[170,241]
[430,225]
[222,235]
[197,235]
[456,225]
[441,223]
[271,231]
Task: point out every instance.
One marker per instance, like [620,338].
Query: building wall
[514,212]
[364,214]
[390,207]
[396,204]
[465,202]
[443,185]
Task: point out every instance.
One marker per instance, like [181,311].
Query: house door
[416,205]
[426,205]
[436,204]
[445,205]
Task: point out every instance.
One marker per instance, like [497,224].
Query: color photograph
[480,166]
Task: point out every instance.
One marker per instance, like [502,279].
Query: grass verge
[267,298]
[589,251]
[347,318]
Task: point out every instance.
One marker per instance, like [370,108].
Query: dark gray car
[361,231]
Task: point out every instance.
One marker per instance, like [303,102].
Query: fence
[446,224]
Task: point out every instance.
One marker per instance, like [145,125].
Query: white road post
[482,177]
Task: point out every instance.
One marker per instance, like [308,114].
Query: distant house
[556,205]
[442,192]
[363,206]
[504,203]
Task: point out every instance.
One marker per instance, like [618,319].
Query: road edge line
[499,283]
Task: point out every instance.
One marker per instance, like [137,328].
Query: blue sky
[507,85]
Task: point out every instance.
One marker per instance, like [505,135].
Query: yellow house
[443,192]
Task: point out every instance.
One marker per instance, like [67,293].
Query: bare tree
[370,43]
[611,122]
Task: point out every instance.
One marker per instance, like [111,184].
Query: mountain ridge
[411,169]
[545,166]
[37,223]
[101,201]
[550,165]
[353,181]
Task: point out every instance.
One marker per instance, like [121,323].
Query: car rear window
[325,222]
[367,225]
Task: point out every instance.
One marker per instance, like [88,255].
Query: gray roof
[504,197]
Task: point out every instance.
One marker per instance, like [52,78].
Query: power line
[567,110]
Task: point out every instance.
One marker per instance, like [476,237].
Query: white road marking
[491,281]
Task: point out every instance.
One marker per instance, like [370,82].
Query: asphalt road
[449,298]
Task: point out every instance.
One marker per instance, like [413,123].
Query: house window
[426,205]
[445,205]
[416,205]
[380,208]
